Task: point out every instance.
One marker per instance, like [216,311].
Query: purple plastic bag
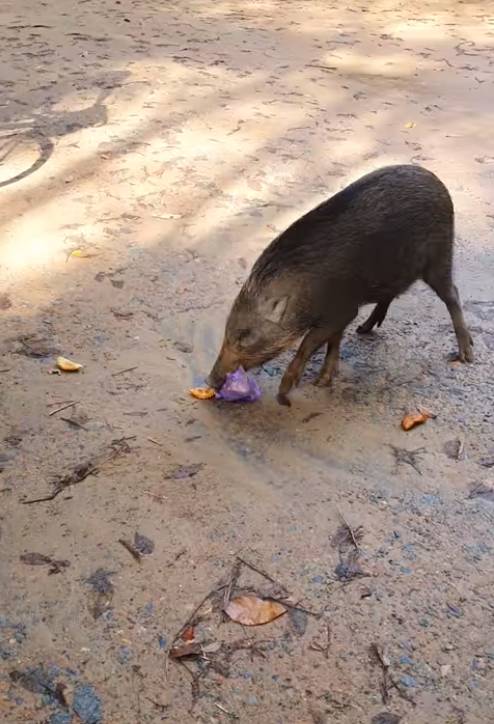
[239,387]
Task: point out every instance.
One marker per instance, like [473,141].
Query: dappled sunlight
[182,153]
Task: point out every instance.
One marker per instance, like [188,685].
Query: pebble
[87,705]
[409,681]
[124,654]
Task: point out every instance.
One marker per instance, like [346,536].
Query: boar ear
[274,309]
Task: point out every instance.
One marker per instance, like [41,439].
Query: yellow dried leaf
[67,365]
[253,611]
[410,124]
[202,393]
[83,253]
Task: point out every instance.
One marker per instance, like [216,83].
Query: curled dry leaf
[413,419]
[251,610]
[188,648]
[203,393]
[188,634]
[68,365]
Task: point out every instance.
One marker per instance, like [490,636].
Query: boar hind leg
[314,339]
[330,366]
[376,317]
[446,290]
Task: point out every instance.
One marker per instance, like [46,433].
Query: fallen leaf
[410,124]
[67,365]
[190,648]
[251,610]
[83,253]
[413,419]
[203,393]
[188,634]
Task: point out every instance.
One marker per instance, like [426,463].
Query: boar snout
[227,362]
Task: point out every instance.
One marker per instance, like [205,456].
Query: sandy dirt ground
[149,151]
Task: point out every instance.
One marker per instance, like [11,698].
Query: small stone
[87,705]
[446,670]
[410,682]
[454,611]
[183,347]
[124,654]
[386,717]
[298,620]
[162,641]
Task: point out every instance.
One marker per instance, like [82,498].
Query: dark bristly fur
[366,244]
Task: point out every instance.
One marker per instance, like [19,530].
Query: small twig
[353,534]
[60,409]
[232,582]
[189,622]
[80,474]
[194,680]
[151,439]
[263,573]
[177,556]
[156,497]
[297,607]
[5,369]
[388,681]
[225,711]
[122,372]
[330,68]
[157,704]
[129,547]
[74,423]
[383,662]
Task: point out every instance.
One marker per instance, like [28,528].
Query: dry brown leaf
[416,418]
[253,611]
[67,365]
[189,648]
[188,634]
[203,393]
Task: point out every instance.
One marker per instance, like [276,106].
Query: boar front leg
[314,339]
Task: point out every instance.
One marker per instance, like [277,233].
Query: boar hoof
[465,351]
[323,381]
[365,328]
[283,399]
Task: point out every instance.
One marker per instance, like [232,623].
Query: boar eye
[243,335]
